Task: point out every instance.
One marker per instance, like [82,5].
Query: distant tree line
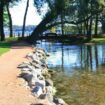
[84,14]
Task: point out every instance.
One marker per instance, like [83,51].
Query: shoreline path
[12,88]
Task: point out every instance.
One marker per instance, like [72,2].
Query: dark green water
[81,76]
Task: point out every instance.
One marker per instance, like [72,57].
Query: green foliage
[5,45]
[72,29]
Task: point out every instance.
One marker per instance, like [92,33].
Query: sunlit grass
[3,50]
[5,45]
[98,40]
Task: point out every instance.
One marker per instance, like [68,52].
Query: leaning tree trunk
[24,21]
[43,25]
[37,31]
[10,21]
[1,21]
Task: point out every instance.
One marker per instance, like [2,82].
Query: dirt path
[12,89]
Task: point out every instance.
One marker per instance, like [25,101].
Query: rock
[37,66]
[25,72]
[28,68]
[40,83]
[27,77]
[45,71]
[41,56]
[40,77]
[23,65]
[39,50]
[42,52]
[29,55]
[49,93]
[52,103]
[46,75]
[35,72]
[37,61]
[25,69]
[49,82]
[59,101]
[37,91]
[52,72]
[42,96]
[49,97]
[47,54]
[32,81]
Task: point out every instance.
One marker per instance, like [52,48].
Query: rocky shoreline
[38,77]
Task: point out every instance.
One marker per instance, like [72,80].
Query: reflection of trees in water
[62,58]
[89,51]
[96,55]
[103,54]
[92,57]
[88,58]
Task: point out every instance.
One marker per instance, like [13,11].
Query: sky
[17,13]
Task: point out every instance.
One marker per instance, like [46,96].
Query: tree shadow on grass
[4,45]
[20,45]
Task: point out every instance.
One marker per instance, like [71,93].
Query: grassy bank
[5,45]
[83,41]
[98,40]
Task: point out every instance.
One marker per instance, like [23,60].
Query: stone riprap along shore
[38,77]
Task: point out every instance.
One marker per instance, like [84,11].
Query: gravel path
[12,88]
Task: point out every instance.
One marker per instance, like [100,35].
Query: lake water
[81,72]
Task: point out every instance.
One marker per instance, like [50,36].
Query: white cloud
[17,13]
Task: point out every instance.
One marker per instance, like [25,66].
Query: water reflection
[86,87]
[70,58]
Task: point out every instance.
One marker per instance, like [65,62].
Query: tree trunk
[90,29]
[81,29]
[96,25]
[103,27]
[42,26]
[1,21]
[90,25]
[24,21]
[10,20]
[62,24]
[84,30]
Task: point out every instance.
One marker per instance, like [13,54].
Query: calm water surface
[81,80]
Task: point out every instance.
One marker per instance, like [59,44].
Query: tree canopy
[82,13]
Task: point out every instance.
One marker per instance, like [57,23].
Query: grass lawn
[3,50]
[5,45]
[98,40]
